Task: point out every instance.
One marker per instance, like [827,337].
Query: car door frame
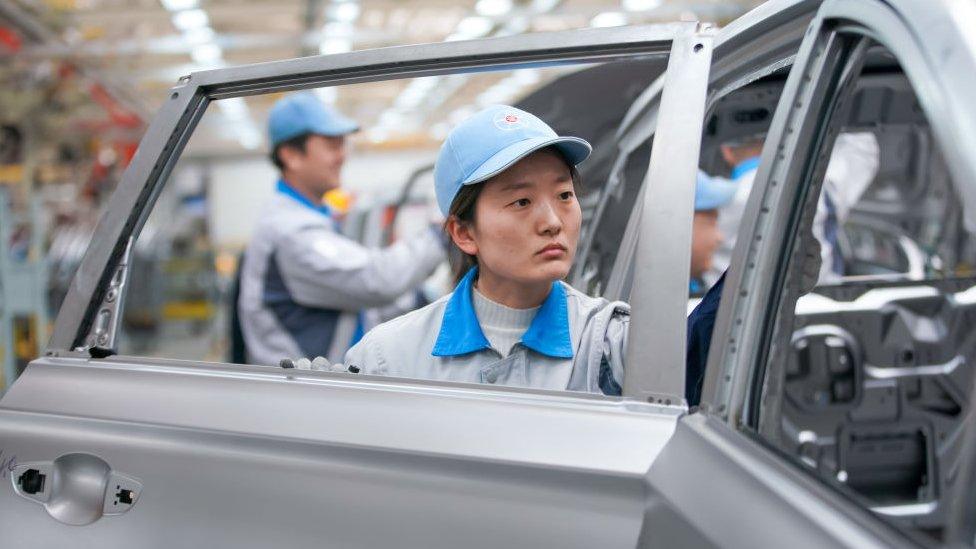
[725,425]
[88,320]
[733,47]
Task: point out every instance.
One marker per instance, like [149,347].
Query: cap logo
[509,121]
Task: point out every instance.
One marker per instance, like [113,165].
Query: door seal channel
[101,339]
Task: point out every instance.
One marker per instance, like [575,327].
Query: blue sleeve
[700,324]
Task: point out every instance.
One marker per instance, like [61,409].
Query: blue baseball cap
[301,113]
[491,141]
[713,192]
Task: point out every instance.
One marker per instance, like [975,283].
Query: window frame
[88,323]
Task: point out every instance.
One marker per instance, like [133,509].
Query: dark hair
[298,143]
[463,207]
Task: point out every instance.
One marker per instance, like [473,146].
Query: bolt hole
[175,95]
[698,48]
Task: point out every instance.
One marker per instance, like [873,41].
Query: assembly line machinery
[23,284]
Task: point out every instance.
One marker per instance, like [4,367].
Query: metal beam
[510,52]
[656,350]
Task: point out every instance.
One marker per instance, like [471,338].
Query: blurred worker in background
[853,166]
[743,157]
[302,283]
[711,194]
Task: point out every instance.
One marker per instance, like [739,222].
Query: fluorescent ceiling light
[207,54]
[473,27]
[609,19]
[179,5]
[526,77]
[327,95]
[377,135]
[516,25]
[234,108]
[543,6]
[391,118]
[335,45]
[641,5]
[440,130]
[493,8]
[418,92]
[249,137]
[335,29]
[190,19]
[200,35]
[460,114]
[345,13]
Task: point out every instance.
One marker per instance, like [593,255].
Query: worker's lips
[552,251]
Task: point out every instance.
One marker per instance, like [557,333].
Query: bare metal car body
[167,453]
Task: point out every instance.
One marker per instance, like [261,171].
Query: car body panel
[248,455]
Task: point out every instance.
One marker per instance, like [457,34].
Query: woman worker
[507,185]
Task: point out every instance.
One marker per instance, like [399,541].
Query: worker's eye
[521,203]
[566,195]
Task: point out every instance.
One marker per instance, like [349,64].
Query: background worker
[303,284]
[711,194]
[853,165]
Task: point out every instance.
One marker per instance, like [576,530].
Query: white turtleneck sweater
[503,326]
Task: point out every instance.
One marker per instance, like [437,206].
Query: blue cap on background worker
[711,194]
[303,113]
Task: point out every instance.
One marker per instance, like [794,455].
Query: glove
[319,363]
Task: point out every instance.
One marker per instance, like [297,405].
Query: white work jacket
[303,284]
[575,342]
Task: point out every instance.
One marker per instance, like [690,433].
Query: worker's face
[734,154]
[319,168]
[705,239]
[526,224]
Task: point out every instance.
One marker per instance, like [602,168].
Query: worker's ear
[462,233]
[290,157]
[728,154]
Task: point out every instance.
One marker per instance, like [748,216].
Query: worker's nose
[549,221]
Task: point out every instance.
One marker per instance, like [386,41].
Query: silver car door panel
[252,456]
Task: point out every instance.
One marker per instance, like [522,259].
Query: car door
[893,469]
[103,449]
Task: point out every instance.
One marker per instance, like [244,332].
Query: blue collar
[744,167]
[460,333]
[287,190]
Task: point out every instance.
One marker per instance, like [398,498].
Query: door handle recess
[76,489]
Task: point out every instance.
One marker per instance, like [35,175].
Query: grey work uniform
[303,283]
[575,343]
